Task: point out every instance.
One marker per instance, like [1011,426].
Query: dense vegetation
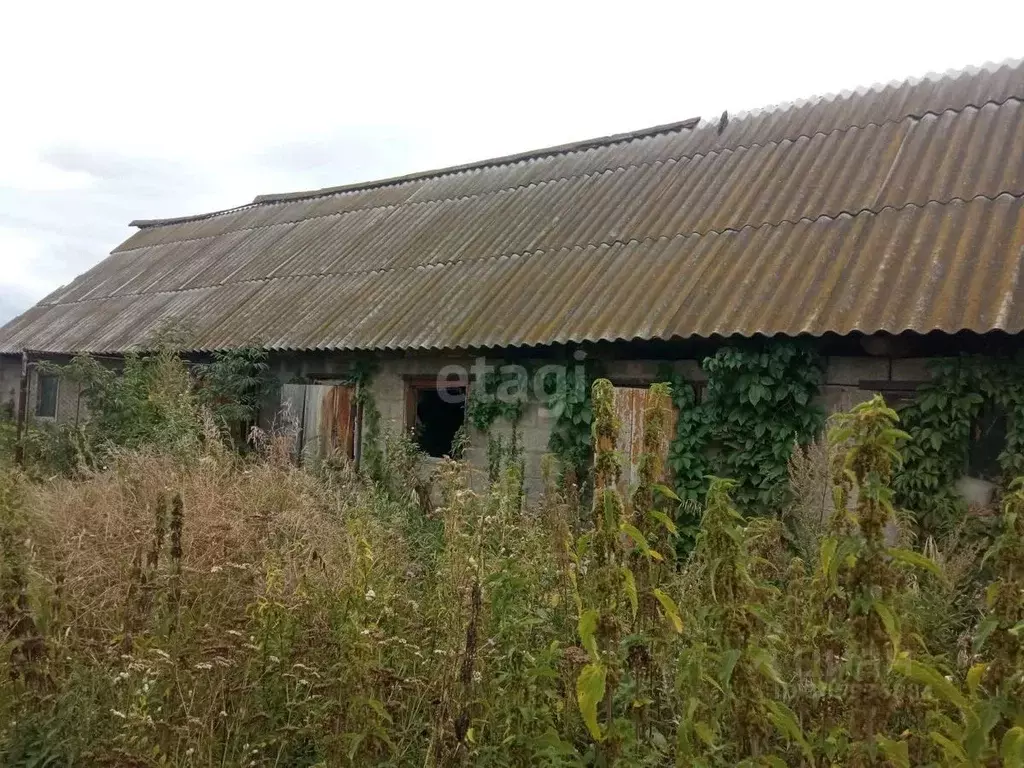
[168,602]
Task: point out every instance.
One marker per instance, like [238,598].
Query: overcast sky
[115,111]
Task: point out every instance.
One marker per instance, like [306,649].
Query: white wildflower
[370,595]
[477,677]
[116,713]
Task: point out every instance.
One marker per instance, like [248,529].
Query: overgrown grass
[202,610]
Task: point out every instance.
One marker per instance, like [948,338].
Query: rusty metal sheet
[896,208]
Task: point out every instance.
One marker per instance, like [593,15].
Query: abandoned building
[885,226]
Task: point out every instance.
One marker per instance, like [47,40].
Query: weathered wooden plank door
[630,404]
[325,418]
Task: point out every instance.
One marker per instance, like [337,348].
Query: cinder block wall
[844,376]
[841,390]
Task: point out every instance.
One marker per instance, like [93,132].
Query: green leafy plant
[234,386]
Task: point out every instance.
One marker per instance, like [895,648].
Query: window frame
[415,384]
[40,377]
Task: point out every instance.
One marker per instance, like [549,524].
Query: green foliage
[371,453]
[151,402]
[499,395]
[234,386]
[174,611]
[939,421]
[573,411]
[759,403]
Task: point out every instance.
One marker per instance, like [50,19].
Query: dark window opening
[435,417]
[46,396]
[988,440]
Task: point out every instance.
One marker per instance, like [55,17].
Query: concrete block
[837,398]
[911,369]
[849,371]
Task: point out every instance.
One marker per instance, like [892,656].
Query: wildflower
[190,751]
[274,660]
[365,632]
[204,665]
[117,713]
[370,595]
[215,569]
[477,677]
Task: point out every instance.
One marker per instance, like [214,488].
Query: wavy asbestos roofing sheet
[896,208]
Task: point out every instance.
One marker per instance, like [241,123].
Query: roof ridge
[582,145]
[952,73]
[531,154]
[518,157]
[576,247]
[684,157]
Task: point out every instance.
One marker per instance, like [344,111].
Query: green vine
[502,394]
[371,454]
[759,402]
[486,403]
[940,421]
[573,412]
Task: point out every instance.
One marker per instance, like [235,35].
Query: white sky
[111,111]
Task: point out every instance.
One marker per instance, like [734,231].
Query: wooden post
[19,446]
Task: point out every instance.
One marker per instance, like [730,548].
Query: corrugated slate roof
[895,208]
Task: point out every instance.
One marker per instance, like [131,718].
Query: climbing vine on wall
[573,412]
[940,420]
[759,402]
[361,376]
[499,394]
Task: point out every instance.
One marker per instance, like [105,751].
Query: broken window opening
[435,416]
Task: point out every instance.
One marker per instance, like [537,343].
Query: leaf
[974,677]
[984,630]
[640,541]
[378,707]
[785,721]
[897,752]
[668,605]
[629,584]
[704,733]
[890,623]
[589,693]
[665,520]
[1012,748]
[916,559]
[931,677]
[828,556]
[587,627]
[665,491]
[1017,629]
[727,665]
[950,747]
